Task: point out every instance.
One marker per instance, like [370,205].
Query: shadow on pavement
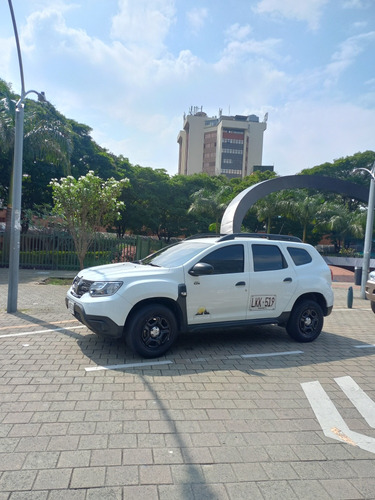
[218,350]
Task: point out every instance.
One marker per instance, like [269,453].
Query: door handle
[241,283]
[288,280]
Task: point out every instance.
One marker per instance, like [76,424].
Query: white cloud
[309,11]
[143,23]
[196,18]
[238,32]
[347,54]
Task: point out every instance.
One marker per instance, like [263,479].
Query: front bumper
[101,325]
[370,290]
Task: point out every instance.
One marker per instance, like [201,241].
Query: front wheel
[152,330]
[305,322]
[373,306]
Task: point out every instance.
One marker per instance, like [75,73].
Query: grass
[58,281]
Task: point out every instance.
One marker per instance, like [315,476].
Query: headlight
[371,276]
[104,288]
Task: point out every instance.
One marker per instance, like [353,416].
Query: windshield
[176,255]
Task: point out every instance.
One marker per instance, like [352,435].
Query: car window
[268,258]
[175,255]
[226,260]
[300,256]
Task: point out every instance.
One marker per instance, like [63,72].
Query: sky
[130,69]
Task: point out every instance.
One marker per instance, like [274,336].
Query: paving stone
[244,491]
[87,477]
[77,458]
[52,479]
[104,494]
[173,491]
[211,425]
[17,480]
[155,474]
[140,492]
[29,495]
[67,494]
[340,488]
[122,475]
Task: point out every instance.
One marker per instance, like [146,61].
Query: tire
[152,330]
[373,306]
[305,322]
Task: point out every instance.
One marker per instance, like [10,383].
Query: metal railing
[56,251]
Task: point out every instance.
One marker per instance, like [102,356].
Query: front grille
[80,286]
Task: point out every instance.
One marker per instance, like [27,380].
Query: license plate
[261,302]
[71,307]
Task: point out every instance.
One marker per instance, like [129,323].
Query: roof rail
[265,236]
[203,235]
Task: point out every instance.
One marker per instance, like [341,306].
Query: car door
[223,295]
[272,282]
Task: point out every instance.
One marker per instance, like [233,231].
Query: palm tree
[267,208]
[47,135]
[210,204]
[346,223]
[303,208]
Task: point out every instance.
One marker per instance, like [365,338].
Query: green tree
[85,206]
[210,204]
[343,224]
[47,146]
[268,208]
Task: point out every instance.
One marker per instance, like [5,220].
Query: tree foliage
[161,205]
[86,205]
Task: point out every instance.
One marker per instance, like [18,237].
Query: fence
[56,251]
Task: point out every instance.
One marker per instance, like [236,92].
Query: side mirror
[201,269]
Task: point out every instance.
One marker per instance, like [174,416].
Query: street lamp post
[369,229]
[15,229]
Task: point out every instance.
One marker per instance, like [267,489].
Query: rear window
[300,256]
[268,258]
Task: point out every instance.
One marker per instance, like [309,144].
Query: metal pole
[15,229]
[368,233]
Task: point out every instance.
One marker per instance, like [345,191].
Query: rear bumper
[101,325]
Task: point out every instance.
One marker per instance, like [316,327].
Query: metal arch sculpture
[238,207]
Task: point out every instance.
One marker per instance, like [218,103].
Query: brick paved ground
[213,423]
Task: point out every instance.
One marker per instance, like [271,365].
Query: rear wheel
[152,330]
[373,306]
[305,322]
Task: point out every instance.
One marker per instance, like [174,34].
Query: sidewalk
[222,416]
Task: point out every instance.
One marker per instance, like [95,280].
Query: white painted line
[270,354]
[330,419]
[127,365]
[23,334]
[364,404]
[364,346]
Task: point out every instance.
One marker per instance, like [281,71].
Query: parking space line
[193,360]
[127,365]
[265,355]
[14,327]
[23,334]
[330,420]
[364,404]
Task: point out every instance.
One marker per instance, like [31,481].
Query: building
[224,145]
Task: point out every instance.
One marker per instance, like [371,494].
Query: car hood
[120,271]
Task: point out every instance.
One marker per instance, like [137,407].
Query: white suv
[206,282]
